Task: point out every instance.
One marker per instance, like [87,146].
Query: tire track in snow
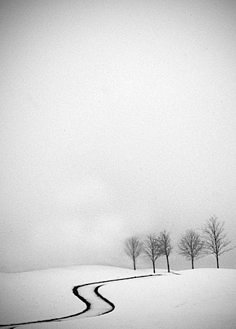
[105,300]
[75,289]
[55,319]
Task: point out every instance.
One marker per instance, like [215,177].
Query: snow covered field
[200,298]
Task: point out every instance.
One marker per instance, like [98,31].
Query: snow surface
[200,298]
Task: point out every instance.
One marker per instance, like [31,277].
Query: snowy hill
[99,297]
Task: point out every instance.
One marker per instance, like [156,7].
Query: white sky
[117,117]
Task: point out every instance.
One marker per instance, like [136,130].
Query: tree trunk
[134,262]
[217,261]
[153,266]
[192,263]
[168,264]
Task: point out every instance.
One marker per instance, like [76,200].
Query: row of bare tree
[192,245]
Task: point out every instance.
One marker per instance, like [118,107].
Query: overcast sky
[117,118]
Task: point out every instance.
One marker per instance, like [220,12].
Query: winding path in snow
[98,306]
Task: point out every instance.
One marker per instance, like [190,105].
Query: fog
[117,118]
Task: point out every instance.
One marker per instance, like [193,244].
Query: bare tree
[216,242]
[133,248]
[191,246]
[165,246]
[152,250]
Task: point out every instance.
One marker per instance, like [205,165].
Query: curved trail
[105,300]
[75,289]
